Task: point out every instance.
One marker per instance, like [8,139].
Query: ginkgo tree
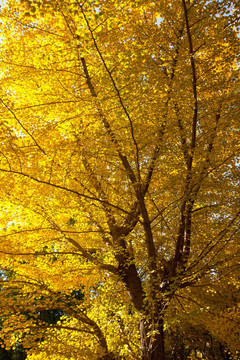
[119,166]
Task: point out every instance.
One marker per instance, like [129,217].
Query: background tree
[119,171]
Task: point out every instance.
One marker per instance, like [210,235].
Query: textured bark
[153,346]
[134,287]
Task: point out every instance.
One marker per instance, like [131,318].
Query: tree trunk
[153,346]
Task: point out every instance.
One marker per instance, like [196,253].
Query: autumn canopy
[119,173]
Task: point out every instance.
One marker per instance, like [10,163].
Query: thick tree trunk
[151,320]
[153,346]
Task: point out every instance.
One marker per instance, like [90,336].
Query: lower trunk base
[152,346]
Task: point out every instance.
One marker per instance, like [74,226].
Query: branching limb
[22,126]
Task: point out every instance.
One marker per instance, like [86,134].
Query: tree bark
[152,346]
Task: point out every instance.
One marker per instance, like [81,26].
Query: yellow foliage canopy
[119,169]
